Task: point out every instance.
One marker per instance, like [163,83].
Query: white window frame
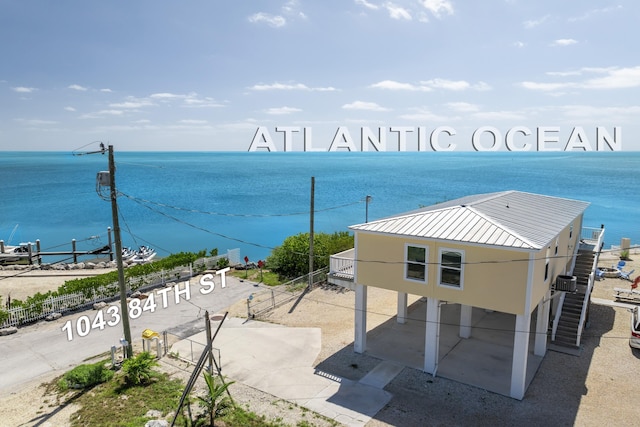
[407,262]
[440,267]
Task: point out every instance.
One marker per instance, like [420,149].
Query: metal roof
[510,219]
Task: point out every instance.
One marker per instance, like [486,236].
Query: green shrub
[291,259]
[222,263]
[85,376]
[138,369]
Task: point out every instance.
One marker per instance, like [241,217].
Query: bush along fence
[79,294]
[260,303]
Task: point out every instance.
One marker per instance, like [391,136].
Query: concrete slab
[484,360]
[279,360]
[382,374]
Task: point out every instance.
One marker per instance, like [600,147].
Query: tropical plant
[217,402]
[291,259]
[138,370]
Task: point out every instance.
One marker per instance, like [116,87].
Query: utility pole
[313,183]
[116,232]
[366,214]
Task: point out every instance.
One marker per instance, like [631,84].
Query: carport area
[484,360]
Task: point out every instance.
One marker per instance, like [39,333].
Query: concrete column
[542,325]
[402,307]
[520,355]
[465,320]
[432,332]
[360,339]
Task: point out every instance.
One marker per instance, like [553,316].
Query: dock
[31,253]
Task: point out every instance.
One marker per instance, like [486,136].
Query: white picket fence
[68,302]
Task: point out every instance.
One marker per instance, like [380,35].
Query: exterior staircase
[569,322]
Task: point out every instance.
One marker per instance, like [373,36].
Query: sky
[302,75]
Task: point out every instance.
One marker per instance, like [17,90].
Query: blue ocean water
[188,201]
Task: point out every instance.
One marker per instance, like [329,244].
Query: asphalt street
[49,346]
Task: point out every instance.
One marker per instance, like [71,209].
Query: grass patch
[116,403]
[267,277]
[111,404]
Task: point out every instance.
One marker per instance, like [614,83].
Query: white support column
[542,325]
[432,336]
[520,355]
[360,330]
[402,307]
[465,320]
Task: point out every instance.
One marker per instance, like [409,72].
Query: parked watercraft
[143,254]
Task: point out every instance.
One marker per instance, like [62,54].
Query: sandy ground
[597,388]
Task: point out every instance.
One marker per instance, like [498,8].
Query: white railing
[585,304]
[342,263]
[556,318]
[66,302]
[592,234]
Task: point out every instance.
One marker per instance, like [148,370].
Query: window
[546,264]
[451,271]
[416,265]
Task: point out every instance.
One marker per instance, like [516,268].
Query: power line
[235,215]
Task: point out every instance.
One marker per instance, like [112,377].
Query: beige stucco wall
[494,278]
[496,286]
[559,263]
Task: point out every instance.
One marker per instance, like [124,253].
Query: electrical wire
[234,215]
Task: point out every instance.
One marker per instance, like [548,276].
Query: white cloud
[193,122]
[601,114]
[438,7]
[447,84]
[290,86]
[403,11]
[291,8]
[132,104]
[614,78]
[588,14]
[535,22]
[394,85]
[69,109]
[368,5]
[564,42]
[77,87]
[282,110]
[363,105]
[463,107]
[166,95]
[397,12]
[102,113]
[36,122]
[106,90]
[429,85]
[425,115]
[22,89]
[201,102]
[274,21]
[501,115]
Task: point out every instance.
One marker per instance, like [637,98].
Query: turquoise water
[195,200]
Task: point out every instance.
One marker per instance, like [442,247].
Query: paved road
[40,349]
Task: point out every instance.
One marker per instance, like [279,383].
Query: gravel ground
[597,388]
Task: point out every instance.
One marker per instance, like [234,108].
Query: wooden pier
[32,253]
